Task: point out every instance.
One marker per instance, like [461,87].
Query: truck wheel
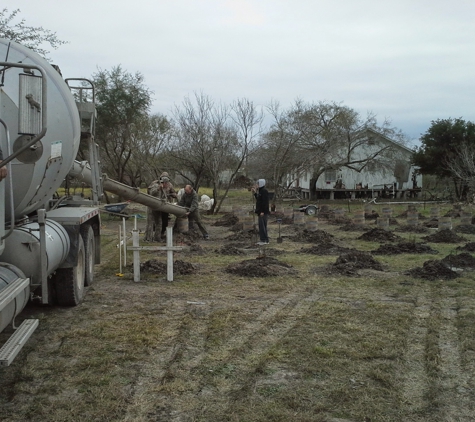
[311,210]
[69,282]
[87,234]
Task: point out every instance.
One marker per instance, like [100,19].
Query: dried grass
[214,346]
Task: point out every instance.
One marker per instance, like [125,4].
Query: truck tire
[87,234]
[69,282]
[311,210]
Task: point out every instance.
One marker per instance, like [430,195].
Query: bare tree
[279,152]
[149,138]
[191,140]
[461,164]
[211,139]
[329,136]
[32,37]
[246,123]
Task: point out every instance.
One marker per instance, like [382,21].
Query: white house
[389,174]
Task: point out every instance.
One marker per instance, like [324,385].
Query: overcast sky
[412,61]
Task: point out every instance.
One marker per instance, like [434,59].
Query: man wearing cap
[262,209]
[162,189]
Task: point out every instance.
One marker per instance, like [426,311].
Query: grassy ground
[213,346]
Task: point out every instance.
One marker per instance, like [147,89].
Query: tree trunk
[313,188]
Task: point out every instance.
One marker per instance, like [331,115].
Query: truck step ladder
[17,340]
[15,343]
[12,290]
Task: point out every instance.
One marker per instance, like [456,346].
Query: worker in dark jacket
[190,201]
[262,209]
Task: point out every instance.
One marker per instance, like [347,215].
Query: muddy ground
[330,326]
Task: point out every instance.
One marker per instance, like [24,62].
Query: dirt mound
[317,236]
[465,228]
[470,247]
[412,229]
[230,250]
[463,260]
[325,249]
[197,249]
[158,267]
[350,227]
[189,237]
[267,267]
[433,223]
[379,235]
[236,227]
[242,236]
[404,247]
[454,213]
[349,263]
[373,215]
[433,270]
[405,213]
[336,221]
[444,236]
[227,220]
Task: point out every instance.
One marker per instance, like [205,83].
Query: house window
[305,176]
[330,175]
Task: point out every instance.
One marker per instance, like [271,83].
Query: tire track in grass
[172,365]
[149,400]
[453,381]
[415,380]
[246,355]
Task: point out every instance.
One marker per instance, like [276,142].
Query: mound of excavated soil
[470,247]
[189,237]
[326,248]
[454,213]
[465,228]
[237,227]
[404,215]
[373,215]
[158,267]
[227,220]
[317,236]
[412,229]
[338,220]
[463,260]
[283,218]
[267,267]
[444,236]
[393,222]
[349,263]
[404,247]
[230,250]
[433,223]
[379,235]
[241,236]
[197,249]
[433,270]
[350,227]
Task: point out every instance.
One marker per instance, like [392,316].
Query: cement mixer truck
[48,244]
